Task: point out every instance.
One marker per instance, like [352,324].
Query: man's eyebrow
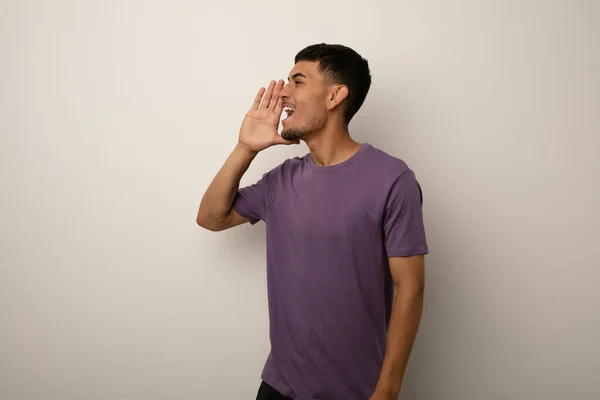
[297,75]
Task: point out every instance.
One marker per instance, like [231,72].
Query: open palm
[259,128]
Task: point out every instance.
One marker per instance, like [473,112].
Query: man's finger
[268,94]
[278,107]
[258,97]
[275,96]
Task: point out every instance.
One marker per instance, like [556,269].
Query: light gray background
[115,116]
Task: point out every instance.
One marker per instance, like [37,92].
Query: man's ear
[336,96]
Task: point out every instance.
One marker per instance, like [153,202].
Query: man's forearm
[218,199]
[402,331]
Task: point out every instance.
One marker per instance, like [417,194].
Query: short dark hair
[341,64]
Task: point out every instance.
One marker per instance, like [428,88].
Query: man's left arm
[409,284]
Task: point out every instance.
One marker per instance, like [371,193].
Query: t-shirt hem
[408,252]
[277,385]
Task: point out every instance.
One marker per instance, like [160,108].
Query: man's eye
[297,82]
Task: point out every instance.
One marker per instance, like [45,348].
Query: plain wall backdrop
[116,115]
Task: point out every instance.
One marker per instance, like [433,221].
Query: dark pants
[266,392]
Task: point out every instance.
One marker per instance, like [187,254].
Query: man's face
[304,101]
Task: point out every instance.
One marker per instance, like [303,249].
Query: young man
[345,236]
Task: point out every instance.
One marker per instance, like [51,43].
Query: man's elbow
[414,289]
[215,222]
[207,222]
[417,287]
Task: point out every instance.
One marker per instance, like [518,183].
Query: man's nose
[284,94]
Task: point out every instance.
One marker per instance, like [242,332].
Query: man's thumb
[281,140]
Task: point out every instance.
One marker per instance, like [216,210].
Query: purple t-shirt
[329,233]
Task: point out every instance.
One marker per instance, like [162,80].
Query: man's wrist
[246,150]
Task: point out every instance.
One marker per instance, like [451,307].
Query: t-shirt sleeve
[403,226]
[253,201]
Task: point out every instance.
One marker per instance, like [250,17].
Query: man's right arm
[258,132]
[216,211]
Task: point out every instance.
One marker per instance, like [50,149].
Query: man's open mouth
[289,109]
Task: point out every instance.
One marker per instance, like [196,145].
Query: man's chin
[292,134]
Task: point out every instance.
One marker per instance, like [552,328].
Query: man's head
[328,82]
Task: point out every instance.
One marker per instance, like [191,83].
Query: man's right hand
[259,128]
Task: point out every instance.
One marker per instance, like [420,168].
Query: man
[345,236]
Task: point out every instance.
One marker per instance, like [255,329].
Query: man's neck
[331,148]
